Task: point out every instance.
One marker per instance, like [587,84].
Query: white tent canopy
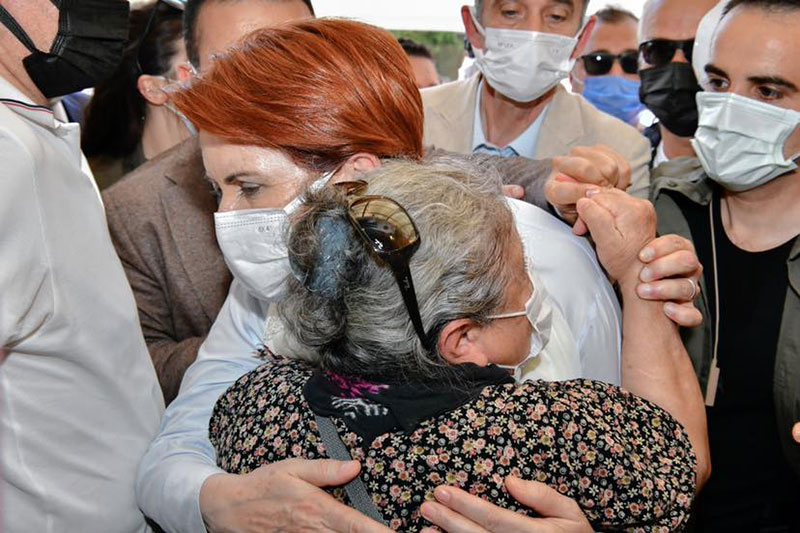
[425,15]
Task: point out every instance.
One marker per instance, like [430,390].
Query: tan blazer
[161,219]
[569,121]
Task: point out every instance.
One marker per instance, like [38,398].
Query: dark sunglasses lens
[629,62]
[658,53]
[598,64]
[387,225]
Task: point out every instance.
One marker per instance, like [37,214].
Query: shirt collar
[524,145]
[17,102]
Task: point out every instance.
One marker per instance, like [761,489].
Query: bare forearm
[655,366]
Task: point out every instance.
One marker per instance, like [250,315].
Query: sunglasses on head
[391,235]
[660,52]
[600,63]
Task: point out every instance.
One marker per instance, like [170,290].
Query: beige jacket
[570,121]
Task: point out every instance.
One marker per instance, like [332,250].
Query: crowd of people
[274,275]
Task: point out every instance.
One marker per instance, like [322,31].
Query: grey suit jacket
[161,221]
[569,121]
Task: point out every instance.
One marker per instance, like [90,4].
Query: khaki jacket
[570,121]
[685,176]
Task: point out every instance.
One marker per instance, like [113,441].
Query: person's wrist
[629,280]
[216,490]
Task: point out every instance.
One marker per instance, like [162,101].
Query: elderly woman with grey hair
[431,400]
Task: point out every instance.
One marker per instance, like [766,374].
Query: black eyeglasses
[391,235]
[600,63]
[659,52]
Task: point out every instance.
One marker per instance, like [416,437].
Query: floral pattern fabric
[628,463]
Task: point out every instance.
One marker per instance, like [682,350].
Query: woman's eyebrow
[230,178]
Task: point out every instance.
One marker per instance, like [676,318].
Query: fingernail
[428,511]
[646,274]
[442,494]
[647,255]
[591,192]
[670,308]
[645,290]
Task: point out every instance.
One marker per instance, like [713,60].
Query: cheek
[792,146]
[512,342]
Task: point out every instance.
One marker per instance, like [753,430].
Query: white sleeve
[26,289]
[568,266]
[181,456]
[600,339]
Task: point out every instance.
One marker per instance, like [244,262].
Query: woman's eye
[249,189]
[509,13]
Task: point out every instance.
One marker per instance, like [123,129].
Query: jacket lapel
[189,205]
[450,124]
[562,126]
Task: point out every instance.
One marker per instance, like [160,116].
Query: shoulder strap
[356,491]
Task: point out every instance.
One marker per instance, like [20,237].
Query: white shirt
[80,398]
[181,457]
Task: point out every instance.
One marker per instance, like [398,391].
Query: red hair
[320,90]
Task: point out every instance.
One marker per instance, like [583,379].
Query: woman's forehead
[222,158]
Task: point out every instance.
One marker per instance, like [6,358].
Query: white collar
[17,102]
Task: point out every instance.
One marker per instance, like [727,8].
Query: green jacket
[686,177]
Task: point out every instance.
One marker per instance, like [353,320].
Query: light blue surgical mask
[614,95]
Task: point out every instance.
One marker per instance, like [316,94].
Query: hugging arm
[655,364]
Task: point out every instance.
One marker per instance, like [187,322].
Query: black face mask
[87,49]
[669,92]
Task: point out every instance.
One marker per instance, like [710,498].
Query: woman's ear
[152,89]
[356,164]
[459,343]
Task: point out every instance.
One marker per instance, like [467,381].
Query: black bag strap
[356,491]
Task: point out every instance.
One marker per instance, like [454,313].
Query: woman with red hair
[292,109]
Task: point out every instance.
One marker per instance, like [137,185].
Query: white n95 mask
[523,65]
[740,141]
[253,243]
[540,315]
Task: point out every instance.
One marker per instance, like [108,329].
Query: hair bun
[334,236]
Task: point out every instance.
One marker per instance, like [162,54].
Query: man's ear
[152,89]
[459,343]
[355,165]
[475,38]
[584,37]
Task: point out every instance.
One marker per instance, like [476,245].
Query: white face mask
[253,242]
[740,141]
[540,315]
[523,65]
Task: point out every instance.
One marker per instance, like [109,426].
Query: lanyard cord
[713,375]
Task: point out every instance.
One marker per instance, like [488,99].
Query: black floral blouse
[627,462]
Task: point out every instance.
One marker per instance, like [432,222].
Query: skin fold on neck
[675,146]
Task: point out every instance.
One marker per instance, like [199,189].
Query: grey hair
[345,309]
